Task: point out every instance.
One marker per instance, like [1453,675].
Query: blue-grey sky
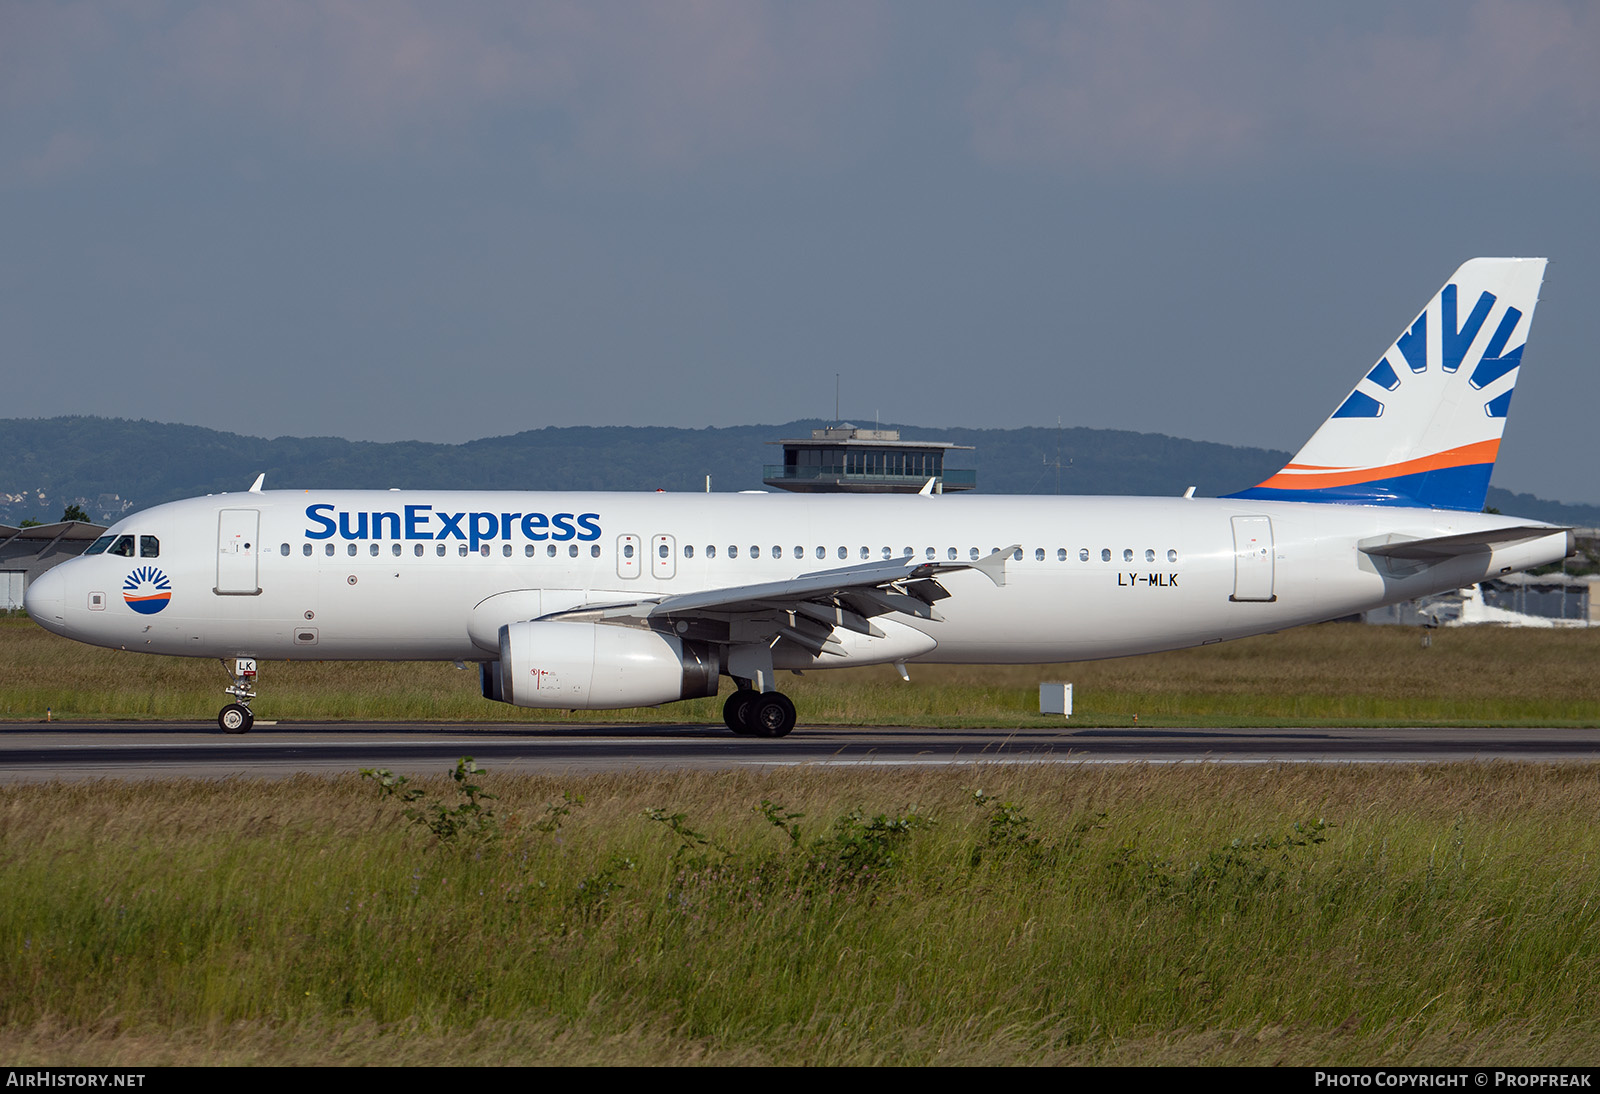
[446,221]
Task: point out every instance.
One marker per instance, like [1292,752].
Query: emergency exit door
[663,557]
[628,552]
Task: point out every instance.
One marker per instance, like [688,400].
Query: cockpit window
[99,545]
[150,547]
[123,546]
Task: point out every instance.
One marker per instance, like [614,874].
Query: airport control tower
[845,459]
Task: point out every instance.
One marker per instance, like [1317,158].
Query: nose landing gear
[236,717]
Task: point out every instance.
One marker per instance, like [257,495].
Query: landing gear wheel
[738,712]
[235,718]
[773,715]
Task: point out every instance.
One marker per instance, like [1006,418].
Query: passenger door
[238,532]
[1252,559]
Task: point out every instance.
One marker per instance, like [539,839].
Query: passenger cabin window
[1149,555]
[1105,554]
[1127,554]
[150,547]
[284,550]
[594,550]
[661,551]
[550,550]
[439,550]
[973,553]
[327,549]
[1083,554]
[572,550]
[99,545]
[1038,554]
[1061,554]
[1172,556]
[305,549]
[733,551]
[352,550]
[711,551]
[688,550]
[527,550]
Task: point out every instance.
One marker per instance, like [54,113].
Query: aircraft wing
[805,609]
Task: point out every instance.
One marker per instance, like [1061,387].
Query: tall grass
[1342,674]
[1286,915]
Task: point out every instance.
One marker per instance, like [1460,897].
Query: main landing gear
[236,717]
[759,714]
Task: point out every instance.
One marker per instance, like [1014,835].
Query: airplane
[615,600]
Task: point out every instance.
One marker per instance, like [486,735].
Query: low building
[846,459]
[25,553]
[1512,600]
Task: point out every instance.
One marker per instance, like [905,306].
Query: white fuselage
[433,575]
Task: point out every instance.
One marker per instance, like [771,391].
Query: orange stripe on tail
[1293,478]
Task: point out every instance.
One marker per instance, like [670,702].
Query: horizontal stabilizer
[1441,547]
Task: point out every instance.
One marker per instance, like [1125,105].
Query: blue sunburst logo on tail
[147,590]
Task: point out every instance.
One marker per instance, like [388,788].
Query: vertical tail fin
[1423,426]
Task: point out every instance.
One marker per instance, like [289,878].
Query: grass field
[1334,674]
[1439,914]
[1286,915]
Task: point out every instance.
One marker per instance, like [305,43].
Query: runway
[35,753]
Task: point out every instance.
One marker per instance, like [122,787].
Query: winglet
[255,487]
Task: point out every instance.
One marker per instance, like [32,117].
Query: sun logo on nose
[147,590]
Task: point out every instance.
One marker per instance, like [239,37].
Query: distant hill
[115,465]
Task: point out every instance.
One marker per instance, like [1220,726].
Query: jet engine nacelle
[591,666]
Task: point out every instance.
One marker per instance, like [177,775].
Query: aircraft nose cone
[46,600]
